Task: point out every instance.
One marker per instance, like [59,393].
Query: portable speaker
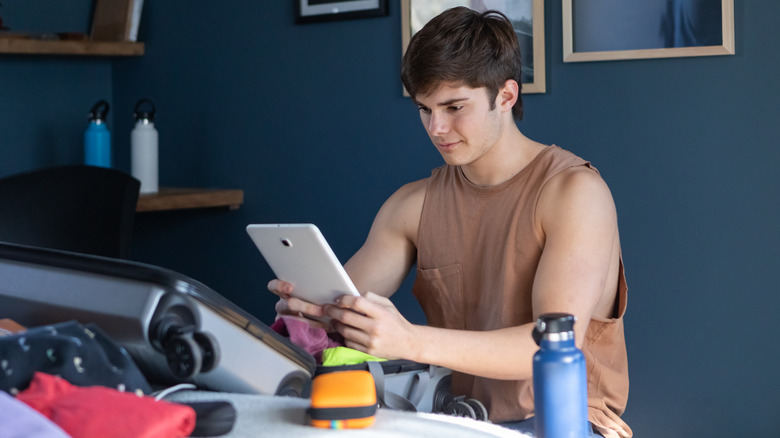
[343,400]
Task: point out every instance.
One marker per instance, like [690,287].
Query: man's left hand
[373,325]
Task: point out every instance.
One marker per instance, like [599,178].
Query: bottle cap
[144,114]
[549,323]
[99,111]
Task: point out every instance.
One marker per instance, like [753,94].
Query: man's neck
[506,159]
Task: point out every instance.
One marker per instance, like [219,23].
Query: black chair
[82,209]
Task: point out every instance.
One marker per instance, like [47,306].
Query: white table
[271,416]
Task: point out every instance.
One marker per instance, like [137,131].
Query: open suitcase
[178,330]
[175,328]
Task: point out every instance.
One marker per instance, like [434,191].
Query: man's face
[460,122]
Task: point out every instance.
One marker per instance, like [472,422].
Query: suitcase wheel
[184,355]
[210,348]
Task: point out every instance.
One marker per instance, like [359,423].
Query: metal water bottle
[144,149]
[560,386]
[97,138]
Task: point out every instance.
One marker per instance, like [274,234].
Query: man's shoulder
[576,178]
[573,191]
[565,157]
[410,195]
[566,170]
[415,187]
[401,211]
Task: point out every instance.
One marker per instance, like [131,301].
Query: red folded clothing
[98,411]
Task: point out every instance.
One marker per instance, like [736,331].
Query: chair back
[78,208]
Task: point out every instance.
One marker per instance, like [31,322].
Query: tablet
[299,254]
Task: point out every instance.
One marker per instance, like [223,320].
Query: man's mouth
[446,146]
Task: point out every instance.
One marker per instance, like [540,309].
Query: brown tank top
[477,255]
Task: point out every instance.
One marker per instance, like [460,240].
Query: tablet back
[299,254]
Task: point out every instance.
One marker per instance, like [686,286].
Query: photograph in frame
[602,30]
[315,11]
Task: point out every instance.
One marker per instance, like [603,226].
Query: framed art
[603,30]
[312,11]
[527,17]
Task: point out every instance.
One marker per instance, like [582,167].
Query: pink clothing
[312,339]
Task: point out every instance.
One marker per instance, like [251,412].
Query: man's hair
[465,47]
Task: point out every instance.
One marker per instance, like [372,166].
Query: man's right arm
[384,260]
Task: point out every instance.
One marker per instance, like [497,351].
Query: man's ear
[508,95]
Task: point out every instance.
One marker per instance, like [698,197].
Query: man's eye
[456,108]
[424,109]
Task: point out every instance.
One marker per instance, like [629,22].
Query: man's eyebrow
[452,101]
[446,102]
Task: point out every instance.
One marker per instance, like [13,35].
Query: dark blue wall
[44,101]
[309,120]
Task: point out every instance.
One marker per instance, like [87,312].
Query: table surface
[273,416]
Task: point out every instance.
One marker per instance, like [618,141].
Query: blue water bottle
[560,386]
[97,138]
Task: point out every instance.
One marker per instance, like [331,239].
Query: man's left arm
[578,270]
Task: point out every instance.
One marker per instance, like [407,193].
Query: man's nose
[438,124]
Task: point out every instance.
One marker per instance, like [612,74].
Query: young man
[507,230]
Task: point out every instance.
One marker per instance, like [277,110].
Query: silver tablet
[299,254]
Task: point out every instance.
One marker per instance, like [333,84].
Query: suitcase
[177,329]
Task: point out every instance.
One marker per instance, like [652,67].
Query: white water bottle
[144,161]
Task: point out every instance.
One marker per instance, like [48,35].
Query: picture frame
[527,16]
[315,11]
[604,30]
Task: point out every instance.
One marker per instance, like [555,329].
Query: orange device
[343,400]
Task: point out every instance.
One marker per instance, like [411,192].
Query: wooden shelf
[183,198]
[65,47]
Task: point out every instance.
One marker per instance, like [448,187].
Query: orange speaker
[343,400]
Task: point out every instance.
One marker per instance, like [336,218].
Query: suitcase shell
[343,400]
[134,302]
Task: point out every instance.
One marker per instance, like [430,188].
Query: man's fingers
[296,305]
[281,307]
[290,305]
[352,337]
[281,288]
[365,305]
[379,299]
[345,315]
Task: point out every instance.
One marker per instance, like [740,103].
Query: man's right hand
[295,307]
